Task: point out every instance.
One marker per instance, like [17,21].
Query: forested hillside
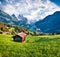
[13,29]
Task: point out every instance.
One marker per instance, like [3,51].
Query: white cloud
[10,10]
[32,9]
[0,2]
[43,10]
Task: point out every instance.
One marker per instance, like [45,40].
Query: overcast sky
[31,9]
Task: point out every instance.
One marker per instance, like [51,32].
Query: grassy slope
[35,46]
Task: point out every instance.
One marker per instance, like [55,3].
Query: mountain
[23,20]
[13,20]
[14,17]
[50,24]
[20,17]
[4,17]
[12,29]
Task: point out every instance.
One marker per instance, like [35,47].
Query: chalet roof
[22,34]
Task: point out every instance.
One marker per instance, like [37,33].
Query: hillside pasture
[34,46]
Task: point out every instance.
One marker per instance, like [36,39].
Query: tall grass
[34,46]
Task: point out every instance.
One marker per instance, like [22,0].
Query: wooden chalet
[20,37]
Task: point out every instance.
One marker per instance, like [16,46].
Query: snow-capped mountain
[50,24]
[33,10]
[4,17]
[20,20]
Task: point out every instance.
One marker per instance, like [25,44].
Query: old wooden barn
[20,37]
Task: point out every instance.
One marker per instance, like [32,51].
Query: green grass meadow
[34,46]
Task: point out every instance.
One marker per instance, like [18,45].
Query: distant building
[20,37]
[5,33]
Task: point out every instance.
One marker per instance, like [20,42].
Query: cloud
[57,2]
[43,10]
[31,9]
[10,10]
[0,2]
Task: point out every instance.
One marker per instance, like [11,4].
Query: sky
[57,2]
[33,10]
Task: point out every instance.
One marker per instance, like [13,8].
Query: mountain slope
[20,20]
[4,17]
[50,24]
